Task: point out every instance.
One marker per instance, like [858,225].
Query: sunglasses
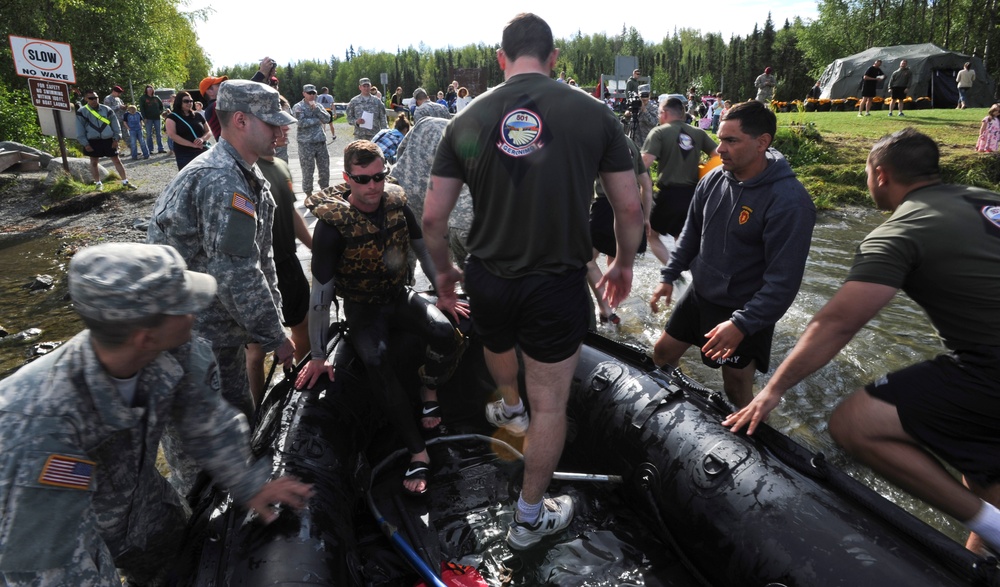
[363,179]
[91,97]
[311,93]
[186,101]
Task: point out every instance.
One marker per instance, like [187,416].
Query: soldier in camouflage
[313,118]
[415,155]
[368,104]
[79,429]
[427,108]
[114,102]
[217,213]
[649,115]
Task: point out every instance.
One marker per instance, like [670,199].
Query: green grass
[828,149]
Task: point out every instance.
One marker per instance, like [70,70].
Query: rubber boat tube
[741,514]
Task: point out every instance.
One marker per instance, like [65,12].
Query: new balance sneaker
[557,512]
[516,424]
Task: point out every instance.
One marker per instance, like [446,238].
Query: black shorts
[294,290]
[869,89]
[602,228]
[897,93]
[546,315]
[951,404]
[693,317]
[101,148]
[670,208]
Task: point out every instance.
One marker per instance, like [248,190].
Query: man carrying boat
[530,166]
[942,247]
[79,429]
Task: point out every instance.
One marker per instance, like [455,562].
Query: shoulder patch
[243,204]
[520,133]
[66,471]
[992,213]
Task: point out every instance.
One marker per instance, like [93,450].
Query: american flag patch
[243,204]
[64,471]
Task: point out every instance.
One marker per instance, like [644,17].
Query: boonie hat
[260,100]
[419,94]
[308,88]
[127,281]
[209,82]
[364,82]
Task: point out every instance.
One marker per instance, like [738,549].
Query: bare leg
[668,351]
[93,169]
[118,165]
[300,338]
[738,383]
[548,391]
[594,275]
[870,429]
[255,371]
[503,369]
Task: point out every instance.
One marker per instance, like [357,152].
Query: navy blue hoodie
[746,242]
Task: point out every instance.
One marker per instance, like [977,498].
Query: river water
[898,336]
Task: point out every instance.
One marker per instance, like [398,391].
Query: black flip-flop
[417,470]
[430,409]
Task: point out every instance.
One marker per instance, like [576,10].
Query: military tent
[933,70]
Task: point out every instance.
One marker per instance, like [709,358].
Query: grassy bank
[828,149]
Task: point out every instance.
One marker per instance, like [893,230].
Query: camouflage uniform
[79,491]
[118,107]
[430,109]
[312,144]
[649,117]
[370,103]
[414,158]
[217,212]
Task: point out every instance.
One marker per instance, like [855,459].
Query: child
[989,131]
[134,122]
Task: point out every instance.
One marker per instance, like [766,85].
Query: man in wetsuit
[360,248]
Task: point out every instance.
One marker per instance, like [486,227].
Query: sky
[319,30]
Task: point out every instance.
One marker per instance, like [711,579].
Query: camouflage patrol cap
[419,94]
[114,282]
[260,100]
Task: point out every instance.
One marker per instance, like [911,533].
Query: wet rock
[141,224]
[43,348]
[23,336]
[3,332]
[41,282]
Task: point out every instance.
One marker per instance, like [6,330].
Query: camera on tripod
[633,102]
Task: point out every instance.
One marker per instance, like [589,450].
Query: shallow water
[898,336]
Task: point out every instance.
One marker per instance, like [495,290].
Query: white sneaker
[557,512]
[98,186]
[516,424]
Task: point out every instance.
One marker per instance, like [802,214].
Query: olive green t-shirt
[942,247]
[677,147]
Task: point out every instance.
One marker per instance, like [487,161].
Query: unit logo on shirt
[685,142]
[992,213]
[745,213]
[520,133]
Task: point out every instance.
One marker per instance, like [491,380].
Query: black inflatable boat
[665,495]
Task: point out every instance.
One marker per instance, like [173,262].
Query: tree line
[122,42]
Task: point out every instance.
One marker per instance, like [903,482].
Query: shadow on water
[21,259]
